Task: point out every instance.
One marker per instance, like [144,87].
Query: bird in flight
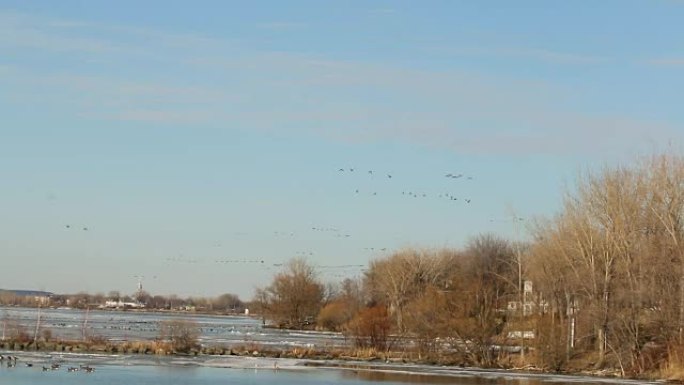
[467,200]
[389,176]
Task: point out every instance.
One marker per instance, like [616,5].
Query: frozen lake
[143,370]
[117,369]
[133,325]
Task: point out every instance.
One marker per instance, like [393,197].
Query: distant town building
[119,304]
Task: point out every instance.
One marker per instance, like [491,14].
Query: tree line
[225,303]
[600,285]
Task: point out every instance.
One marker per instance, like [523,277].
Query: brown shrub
[183,335]
[333,316]
[370,328]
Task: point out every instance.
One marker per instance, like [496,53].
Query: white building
[121,305]
[530,304]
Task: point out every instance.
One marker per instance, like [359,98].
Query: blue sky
[182,134]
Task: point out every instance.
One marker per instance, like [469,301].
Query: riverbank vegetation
[599,286]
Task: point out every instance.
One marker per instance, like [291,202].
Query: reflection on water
[377,376]
[418,378]
[481,378]
[182,375]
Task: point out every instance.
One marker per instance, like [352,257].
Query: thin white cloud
[158,116]
[63,35]
[534,54]
[15,32]
[342,100]
[123,89]
[281,25]
[559,57]
[667,62]
[382,11]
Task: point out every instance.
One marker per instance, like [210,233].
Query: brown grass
[672,368]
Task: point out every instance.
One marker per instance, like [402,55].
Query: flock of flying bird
[414,194]
[335,232]
[68,227]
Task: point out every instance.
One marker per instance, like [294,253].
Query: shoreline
[297,359]
[331,356]
[357,368]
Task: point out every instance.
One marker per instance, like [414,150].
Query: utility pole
[521,289]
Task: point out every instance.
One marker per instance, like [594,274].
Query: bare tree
[295,296]
[667,206]
[612,248]
[401,277]
[228,303]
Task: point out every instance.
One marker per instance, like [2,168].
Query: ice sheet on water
[489,374]
[261,363]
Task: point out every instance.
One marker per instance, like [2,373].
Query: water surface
[243,371]
[73,324]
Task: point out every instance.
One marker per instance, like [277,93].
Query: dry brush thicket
[598,286]
[181,335]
